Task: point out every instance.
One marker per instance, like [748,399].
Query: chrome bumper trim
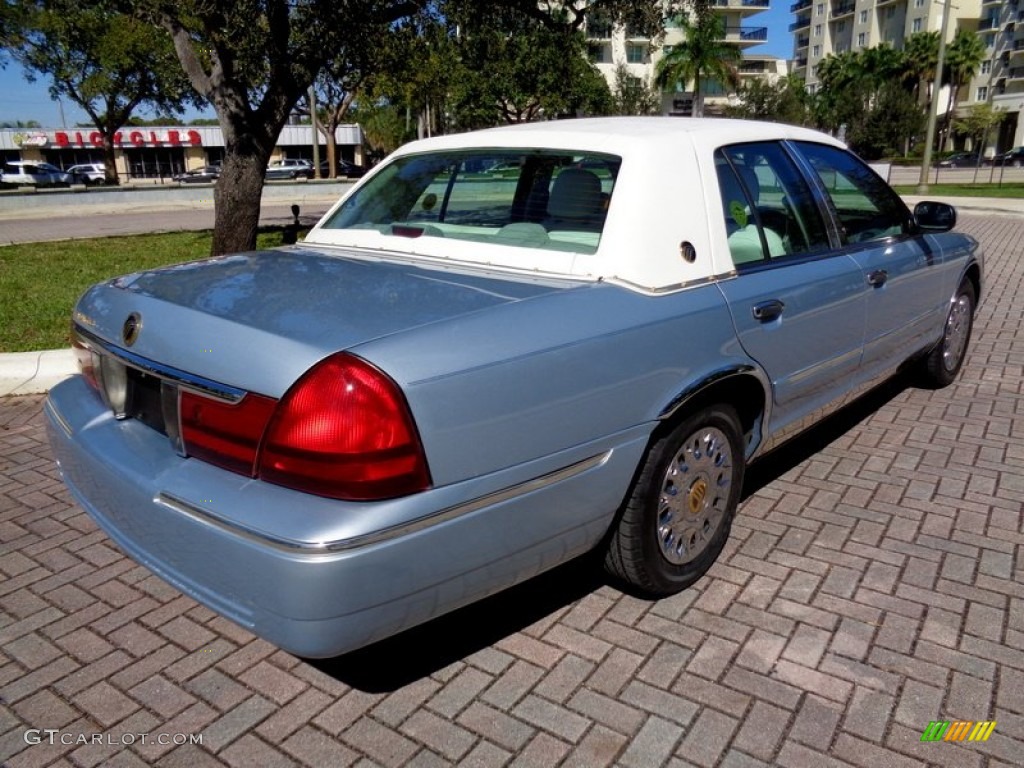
[58,418]
[166,372]
[206,517]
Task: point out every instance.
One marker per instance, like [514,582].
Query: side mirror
[931,216]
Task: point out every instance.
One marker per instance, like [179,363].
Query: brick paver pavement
[874,582]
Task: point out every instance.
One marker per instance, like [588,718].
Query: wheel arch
[744,387]
[973,275]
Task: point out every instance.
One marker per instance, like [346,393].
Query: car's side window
[770,211]
[865,205]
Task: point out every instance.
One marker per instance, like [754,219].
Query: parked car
[458,381]
[1013,158]
[346,169]
[28,173]
[290,168]
[959,160]
[205,175]
[88,173]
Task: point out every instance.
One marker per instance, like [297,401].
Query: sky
[21,100]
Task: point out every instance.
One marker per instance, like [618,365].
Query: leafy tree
[963,59]
[869,93]
[531,72]
[158,120]
[469,70]
[646,17]
[633,95]
[977,123]
[884,127]
[107,62]
[702,55]
[385,127]
[348,72]
[253,60]
[782,101]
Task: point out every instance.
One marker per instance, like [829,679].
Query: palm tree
[963,58]
[702,56]
[921,53]
[882,64]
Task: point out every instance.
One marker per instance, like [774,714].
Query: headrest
[576,194]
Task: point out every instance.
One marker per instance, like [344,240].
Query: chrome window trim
[182,378]
[294,546]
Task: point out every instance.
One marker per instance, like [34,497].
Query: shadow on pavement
[419,652]
[814,440]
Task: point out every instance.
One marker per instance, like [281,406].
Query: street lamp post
[926,161]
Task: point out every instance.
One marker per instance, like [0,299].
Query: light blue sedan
[464,378]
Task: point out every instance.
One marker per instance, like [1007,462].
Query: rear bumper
[320,577]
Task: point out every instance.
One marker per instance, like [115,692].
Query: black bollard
[290,235]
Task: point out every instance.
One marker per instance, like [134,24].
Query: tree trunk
[332,149]
[236,199]
[109,159]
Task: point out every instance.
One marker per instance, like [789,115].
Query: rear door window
[769,209]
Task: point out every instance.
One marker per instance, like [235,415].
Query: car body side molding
[331,547]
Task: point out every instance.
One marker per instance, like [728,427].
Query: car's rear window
[519,197]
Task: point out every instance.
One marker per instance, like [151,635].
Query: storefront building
[155,152]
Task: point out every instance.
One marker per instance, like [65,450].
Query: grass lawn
[40,282]
[1015,189]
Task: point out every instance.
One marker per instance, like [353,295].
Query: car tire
[1016,163]
[943,363]
[679,511]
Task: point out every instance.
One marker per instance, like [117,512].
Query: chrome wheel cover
[954,340]
[694,495]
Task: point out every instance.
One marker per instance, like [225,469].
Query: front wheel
[943,363]
[678,514]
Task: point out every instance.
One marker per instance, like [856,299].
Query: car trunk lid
[258,320]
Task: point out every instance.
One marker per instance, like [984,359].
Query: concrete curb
[30,373]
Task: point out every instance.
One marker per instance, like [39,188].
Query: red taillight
[344,430]
[225,434]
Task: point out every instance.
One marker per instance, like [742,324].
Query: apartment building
[823,27]
[612,45]
[1000,80]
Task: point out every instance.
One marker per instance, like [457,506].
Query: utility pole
[926,161]
[316,133]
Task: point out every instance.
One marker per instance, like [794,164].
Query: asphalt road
[72,222]
[873,584]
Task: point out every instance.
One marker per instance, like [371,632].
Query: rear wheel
[944,362]
[679,512]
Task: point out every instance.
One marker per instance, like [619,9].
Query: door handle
[877,278]
[766,311]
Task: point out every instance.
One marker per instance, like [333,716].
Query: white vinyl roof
[666,194]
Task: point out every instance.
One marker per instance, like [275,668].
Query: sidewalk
[873,585]
[25,373]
